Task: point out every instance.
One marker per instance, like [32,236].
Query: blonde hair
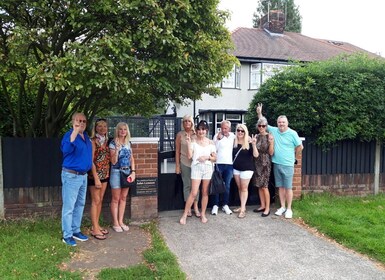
[93,133]
[188,118]
[245,142]
[128,136]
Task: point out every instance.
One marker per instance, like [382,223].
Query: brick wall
[47,201]
[297,178]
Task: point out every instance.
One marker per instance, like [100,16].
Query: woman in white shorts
[244,152]
[202,151]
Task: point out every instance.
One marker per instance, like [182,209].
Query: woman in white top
[202,152]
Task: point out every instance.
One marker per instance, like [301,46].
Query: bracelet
[133,170]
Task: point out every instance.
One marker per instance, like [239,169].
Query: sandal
[117,228]
[104,231]
[189,214]
[242,214]
[237,210]
[99,236]
[197,214]
[125,227]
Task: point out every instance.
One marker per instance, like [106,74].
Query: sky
[360,23]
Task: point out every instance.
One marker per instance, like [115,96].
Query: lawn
[355,222]
[31,249]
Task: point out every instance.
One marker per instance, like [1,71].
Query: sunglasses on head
[240,130]
[261,125]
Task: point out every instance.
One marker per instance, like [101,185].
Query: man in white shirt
[224,142]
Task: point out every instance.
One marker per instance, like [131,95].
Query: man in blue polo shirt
[287,147]
[77,160]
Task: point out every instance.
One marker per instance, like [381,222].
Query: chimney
[274,21]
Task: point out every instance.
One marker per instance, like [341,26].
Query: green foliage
[339,99]
[31,249]
[58,57]
[355,222]
[293,16]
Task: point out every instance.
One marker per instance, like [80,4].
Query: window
[255,75]
[269,70]
[233,80]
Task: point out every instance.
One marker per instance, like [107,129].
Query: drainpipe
[377,160]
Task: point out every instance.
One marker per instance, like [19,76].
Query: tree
[330,101]
[58,57]
[293,17]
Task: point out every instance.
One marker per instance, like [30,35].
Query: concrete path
[259,248]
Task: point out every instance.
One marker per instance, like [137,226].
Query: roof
[257,43]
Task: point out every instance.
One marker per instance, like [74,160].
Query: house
[261,52]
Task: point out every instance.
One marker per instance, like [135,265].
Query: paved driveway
[259,248]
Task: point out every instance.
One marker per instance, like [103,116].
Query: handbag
[217,185]
[124,173]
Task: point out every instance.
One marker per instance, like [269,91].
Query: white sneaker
[288,214]
[227,210]
[280,211]
[214,211]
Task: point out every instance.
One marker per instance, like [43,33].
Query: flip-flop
[99,236]
[104,231]
[117,228]
[197,214]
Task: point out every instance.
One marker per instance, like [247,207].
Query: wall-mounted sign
[146,186]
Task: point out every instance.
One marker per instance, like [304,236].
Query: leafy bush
[339,99]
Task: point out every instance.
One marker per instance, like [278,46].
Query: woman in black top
[244,152]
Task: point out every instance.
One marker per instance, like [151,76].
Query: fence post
[377,160]
[2,213]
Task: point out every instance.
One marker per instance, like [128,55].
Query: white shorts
[201,171]
[244,174]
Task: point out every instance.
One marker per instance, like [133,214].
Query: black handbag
[217,185]
[124,173]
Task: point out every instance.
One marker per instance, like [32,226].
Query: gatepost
[144,196]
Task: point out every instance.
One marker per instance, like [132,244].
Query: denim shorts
[283,176]
[115,178]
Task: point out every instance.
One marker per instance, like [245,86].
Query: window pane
[255,75]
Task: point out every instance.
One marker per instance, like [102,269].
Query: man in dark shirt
[77,160]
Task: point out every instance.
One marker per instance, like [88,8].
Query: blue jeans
[74,192]
[227,175]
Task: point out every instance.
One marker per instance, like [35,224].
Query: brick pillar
[297,178]
[144,201]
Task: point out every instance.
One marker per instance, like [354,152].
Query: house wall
[231,98]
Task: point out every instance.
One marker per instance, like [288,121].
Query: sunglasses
[83,121]
[261,125]
[240,130]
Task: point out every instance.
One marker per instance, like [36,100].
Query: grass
[355,222]
[160,263]
[31,249]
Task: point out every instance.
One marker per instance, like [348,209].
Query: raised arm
[259,110]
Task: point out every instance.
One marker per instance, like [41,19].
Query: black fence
[347,157]
[36,162]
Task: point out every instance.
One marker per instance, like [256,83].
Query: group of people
[93,162]
[239,156]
